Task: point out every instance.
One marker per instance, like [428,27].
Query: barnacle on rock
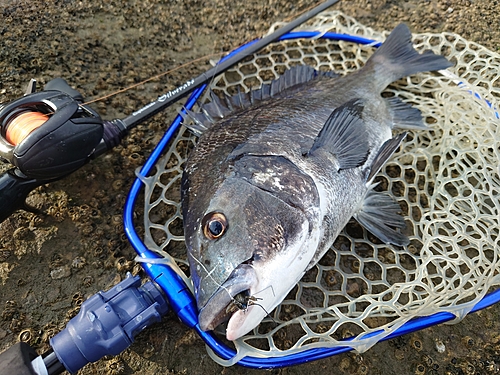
[16,324]
[4,254]
[70,314]
[420,369]
[363,369]
[117,185]
[78,262]
[10,310]
[77,299]
[88,281]
[416,344]
[122,264]
[49,331]
[114,367]
[26,335]
[468,341]
[21,233]
[136,270]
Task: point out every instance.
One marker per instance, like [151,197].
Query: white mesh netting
[445,179]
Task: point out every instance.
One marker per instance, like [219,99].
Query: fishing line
[186,64]
[25,123]
[246,303]
[155,77]
[22,125]
[262,307]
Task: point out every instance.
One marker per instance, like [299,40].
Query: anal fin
[379,214]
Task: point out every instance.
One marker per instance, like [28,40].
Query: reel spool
[21,125]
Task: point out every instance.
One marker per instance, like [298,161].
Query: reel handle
[59,84]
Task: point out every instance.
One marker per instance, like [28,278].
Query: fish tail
[397,58]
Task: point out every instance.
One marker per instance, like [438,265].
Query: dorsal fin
[220,108]
[404,116]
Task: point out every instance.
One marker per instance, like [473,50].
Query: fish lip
[215,311]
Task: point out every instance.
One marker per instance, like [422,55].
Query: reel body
[49,148]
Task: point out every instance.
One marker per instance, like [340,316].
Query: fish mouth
[225,301]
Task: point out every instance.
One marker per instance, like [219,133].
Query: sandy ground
[49,264]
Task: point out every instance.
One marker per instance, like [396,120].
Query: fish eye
[214,225]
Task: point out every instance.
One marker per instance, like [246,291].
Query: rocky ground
[50,264]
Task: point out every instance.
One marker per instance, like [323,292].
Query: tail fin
[397,58]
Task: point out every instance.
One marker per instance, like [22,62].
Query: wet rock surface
[49,264]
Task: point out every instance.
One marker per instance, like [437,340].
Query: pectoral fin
[379,214]
[344,135]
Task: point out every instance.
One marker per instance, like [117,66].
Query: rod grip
[13,192]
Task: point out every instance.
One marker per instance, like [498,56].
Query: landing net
[446,181]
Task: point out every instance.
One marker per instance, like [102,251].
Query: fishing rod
[48,135]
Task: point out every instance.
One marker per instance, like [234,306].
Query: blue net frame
[181,300]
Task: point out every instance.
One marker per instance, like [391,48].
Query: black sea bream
[278,172]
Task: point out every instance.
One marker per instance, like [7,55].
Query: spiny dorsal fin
[292,77]
[198,120]
[388,148]
[217,108]
[344,135]
[404,116]
[379,214]
[220,108]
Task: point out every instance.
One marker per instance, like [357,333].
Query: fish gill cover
[446,180]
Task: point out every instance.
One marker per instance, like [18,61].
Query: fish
[279,171]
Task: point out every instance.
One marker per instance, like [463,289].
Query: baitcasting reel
[46,135]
